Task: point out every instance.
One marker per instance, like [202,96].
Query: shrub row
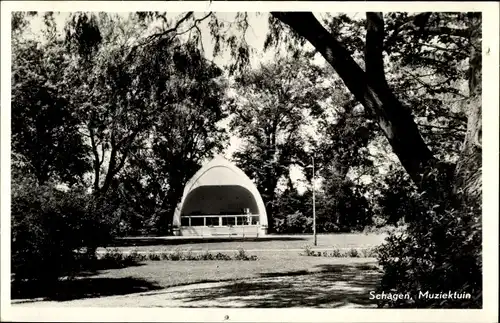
[114,255]
[337,253]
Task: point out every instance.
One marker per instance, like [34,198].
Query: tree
[114,92]
[182,137]
[442,243]
[120,100]
[468,172]
[45,125]
[368,86]
[343,144]
[135,99]
[272,105]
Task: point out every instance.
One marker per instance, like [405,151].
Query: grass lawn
[274,243]
[173,273]
[280,280]
[279,265]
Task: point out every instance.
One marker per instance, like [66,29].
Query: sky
[255,37]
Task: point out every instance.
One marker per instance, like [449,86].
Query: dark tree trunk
[394,119]
[163,226]
[166,216]
[97,161]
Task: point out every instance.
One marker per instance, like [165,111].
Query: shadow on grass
[80,288]
[83,285]
[91,267]
[284,274]
[105,264]
[329,286]
[97,268]
[155,241]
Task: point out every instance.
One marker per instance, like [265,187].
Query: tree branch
[374,60]
[130,140]
[153,37]
[431,87]
[418,24]
[441,127]
[457,32]
[195,25]
[380,102]
[453,50]
[102,153]
[177,25]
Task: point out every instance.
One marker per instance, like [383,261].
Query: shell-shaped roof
[220,172]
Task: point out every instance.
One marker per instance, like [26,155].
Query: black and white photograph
[200,157]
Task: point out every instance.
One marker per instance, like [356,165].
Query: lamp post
[314,202]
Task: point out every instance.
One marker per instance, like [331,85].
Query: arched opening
[219,206]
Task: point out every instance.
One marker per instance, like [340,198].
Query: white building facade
[220,201]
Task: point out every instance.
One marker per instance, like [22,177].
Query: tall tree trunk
[394,119]
[468,173]
[172,198]
[469,167]
[166,215]
[270,209]
[97,161]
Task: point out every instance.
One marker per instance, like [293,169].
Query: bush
[221,256]
[53,231]
[336,253]
[353,253]
[295,222]
[368,253]
[206,256]
[116,259]
[113,255]
[188,255]
[154,257]
[308,251]
[340,208]
[132,258]
[438,251]
[176,255]
[242,255]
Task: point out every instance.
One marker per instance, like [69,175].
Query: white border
[490,173]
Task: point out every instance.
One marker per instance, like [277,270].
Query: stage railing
[221,220]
